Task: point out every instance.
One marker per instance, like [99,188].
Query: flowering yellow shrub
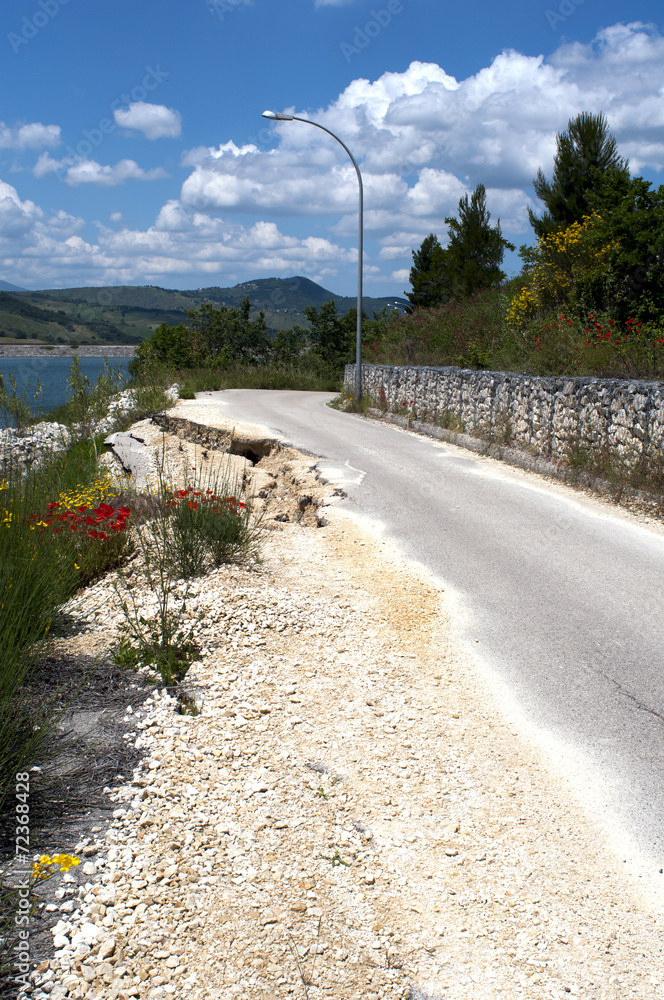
[559,260]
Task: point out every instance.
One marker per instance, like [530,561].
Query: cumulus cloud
[46,164]
[423,139]
[91,172]
[155,121]
[17,218]
[32,136]
[75,172]
[180,247]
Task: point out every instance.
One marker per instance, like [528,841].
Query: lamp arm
[360,257]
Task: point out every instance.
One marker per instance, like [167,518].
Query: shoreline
[64,351]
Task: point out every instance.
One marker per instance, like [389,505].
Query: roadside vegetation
[64,522]
[589,299]
[225,348]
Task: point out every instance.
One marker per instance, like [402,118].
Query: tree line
[589,298]
[600,239]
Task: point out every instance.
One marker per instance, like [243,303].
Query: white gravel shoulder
[349,816]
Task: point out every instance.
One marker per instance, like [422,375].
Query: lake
[52,373]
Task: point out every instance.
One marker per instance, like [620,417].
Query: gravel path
[349,816]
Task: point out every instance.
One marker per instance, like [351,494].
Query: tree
[631,218]
[470,261]
[228,334]
[425,273]
[332,336]
[585,165]
[475,249]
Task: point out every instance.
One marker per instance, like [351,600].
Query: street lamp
[277,117]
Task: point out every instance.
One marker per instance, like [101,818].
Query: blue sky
[132,148]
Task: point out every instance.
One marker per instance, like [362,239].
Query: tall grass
[88,404]
[42,563]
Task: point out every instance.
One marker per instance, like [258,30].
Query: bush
[191,529]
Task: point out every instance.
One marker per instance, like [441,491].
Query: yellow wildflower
[42,869]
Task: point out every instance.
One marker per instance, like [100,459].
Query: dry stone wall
[548,417]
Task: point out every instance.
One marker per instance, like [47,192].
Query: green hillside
[127,314]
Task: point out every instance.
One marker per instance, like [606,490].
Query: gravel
[348,816]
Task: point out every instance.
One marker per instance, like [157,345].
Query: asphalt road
[558,599]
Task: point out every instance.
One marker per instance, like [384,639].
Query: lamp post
[276,116]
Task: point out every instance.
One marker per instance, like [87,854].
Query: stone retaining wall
[550,417]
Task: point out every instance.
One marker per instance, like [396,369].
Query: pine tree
[475,249]
[585,163]
[470,261]
[425,273]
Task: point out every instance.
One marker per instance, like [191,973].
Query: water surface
[52,374]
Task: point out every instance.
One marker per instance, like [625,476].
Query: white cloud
[32,136]
[423,139]
[49,251]
[91,172]
[155,121]
[65,225]
[46,165]
[17,218]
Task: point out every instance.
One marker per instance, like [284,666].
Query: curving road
[559,600]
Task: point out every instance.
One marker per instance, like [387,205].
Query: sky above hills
[132,148]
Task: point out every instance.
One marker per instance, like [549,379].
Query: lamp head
[276,116]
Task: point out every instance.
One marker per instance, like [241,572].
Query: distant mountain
[290,296]
[6,287]
[127,314]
